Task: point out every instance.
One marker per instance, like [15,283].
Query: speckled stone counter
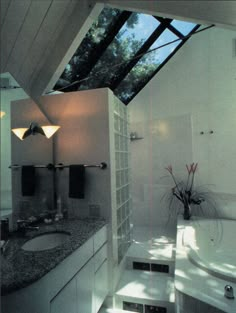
[21,268]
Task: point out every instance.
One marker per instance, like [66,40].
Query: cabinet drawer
[65,300]
[100,238]
[101,286]
[100,257]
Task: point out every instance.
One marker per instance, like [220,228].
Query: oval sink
[46,241]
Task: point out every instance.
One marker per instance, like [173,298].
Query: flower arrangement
[185,192]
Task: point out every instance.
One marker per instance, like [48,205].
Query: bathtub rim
[194,281]
[198,261]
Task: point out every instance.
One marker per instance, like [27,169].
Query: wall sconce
[34,129]
[2,113]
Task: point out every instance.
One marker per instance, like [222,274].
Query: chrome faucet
[24,225]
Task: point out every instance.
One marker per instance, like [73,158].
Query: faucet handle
[22,221]
[229,292]
[21,224]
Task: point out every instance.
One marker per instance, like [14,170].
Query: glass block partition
[122,170]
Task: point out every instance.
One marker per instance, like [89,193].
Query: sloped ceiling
[220,13]
[37,34]
[38,37]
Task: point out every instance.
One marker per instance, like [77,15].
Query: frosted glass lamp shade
[19,132]
[50,130]
[2,113]
[34,129]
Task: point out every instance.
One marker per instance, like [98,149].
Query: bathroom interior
[87,228]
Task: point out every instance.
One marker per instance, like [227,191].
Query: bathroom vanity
[72,277]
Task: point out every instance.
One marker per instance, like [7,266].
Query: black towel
[27,180]
[76,181]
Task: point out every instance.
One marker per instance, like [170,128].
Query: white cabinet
[87,290]
[76,296]
[65,300]
[99,239]
[100,289]
[84,286]
[100,286]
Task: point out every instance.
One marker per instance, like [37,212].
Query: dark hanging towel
[27,180]
[76,181]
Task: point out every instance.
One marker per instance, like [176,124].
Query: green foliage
[112,61]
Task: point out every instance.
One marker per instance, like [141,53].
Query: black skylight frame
[96,54]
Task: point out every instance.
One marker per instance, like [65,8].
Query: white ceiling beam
[220,13]
[9,34]
[45,39]
[70,36]
[27,38]
[4,5]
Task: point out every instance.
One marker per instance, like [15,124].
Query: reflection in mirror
[32,181]
[10,91]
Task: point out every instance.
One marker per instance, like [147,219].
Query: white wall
[82,139]
[195,91]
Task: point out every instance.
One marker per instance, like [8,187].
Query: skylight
[183,27]
[115,52]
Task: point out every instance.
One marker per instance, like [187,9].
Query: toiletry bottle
[59,214]
[44,205]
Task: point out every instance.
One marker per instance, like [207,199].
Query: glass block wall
[122,175]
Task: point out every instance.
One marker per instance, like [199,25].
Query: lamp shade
[34,129]
[50,130]
[19,132]
[2,113]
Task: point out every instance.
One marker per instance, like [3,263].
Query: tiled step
[151,253]
[161,235]
[106,310]
[146,285]
[147,288]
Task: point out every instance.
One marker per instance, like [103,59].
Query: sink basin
[46,241]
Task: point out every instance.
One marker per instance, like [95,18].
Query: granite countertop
[21,268]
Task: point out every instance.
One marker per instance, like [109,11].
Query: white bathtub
[211,245]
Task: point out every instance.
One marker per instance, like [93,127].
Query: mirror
[10,91]
[31,193]
[19,110]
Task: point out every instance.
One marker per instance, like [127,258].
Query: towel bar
[50,166]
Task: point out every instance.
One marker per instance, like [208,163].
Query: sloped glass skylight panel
[165,50]
[111,49]
[127,42]
[147,65]
[80,61]
[183,27]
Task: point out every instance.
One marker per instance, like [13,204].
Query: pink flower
[191,168]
